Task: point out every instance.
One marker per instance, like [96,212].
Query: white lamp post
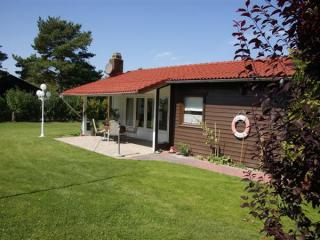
[42,96]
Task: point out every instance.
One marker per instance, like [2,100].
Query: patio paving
[128,149]
[141,150]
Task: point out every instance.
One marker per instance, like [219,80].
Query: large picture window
[129,112]
[150,112]
[140,112]
[193,110]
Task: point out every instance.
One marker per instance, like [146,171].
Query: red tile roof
[146,79]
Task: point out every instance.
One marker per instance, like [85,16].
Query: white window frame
[193,111]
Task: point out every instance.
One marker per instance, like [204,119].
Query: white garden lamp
[42,96]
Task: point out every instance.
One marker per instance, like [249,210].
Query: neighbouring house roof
[141,80]
[9,81]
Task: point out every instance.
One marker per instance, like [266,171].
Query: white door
[164,114]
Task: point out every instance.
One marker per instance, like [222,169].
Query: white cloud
[165,56]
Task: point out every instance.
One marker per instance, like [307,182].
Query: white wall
[119,102]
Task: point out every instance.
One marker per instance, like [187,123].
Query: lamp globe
[43,87]
[39,93]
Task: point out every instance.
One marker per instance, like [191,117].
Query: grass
[51,190]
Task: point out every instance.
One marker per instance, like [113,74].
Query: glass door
[140,112]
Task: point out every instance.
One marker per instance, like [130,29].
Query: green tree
[3,57]
[23,106]
[61,56]
[4,110]
[288,129]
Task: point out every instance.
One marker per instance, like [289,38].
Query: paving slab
[108,148]
[134,151]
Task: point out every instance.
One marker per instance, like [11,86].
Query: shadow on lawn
[64,186]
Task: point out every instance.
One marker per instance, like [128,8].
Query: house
[179,98]
[8,81]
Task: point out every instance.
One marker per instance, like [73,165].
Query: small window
[129,112]
[150,113]
[140,112]
[193,110]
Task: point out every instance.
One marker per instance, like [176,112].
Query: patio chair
[114,128]
[98,132]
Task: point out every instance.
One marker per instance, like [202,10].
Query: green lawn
[51,190]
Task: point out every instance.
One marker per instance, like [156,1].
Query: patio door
[164,112]
[140,114]
[150,112]
[137,114]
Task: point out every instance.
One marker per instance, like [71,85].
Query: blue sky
[148,33]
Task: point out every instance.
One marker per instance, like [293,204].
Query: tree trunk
[13,117]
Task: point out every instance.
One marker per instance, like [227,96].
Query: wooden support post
[156,121]
[108,113]
[84,116]
[119,141]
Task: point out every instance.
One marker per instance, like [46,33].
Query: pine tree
[61,56]
[3,57]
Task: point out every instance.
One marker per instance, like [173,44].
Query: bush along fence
[18,105]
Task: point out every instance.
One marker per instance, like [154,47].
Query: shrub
[23,106]
[97,108]
[223,160]
[27,107]
[213,142]
[57,110]
[114,114]
[184,149]
[212,138]
[4,110]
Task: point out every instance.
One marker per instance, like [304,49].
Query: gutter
[98,94]
[223,80]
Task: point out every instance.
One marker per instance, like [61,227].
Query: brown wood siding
[222,102]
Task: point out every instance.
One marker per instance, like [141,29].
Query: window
[140,112]
[193,109]
[150,113]
[129,112]
[163,113]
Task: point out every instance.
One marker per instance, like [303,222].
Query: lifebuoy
[246,131]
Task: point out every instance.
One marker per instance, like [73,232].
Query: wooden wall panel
[223,101]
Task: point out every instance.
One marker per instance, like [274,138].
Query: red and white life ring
[246,131]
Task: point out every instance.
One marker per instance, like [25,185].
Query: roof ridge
[184,65]
[197,64]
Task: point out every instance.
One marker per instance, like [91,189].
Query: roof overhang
[172,81]
[98,94]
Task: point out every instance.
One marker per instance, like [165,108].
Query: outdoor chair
[98,132]
[114,128]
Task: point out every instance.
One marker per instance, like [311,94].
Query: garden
[51,190]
